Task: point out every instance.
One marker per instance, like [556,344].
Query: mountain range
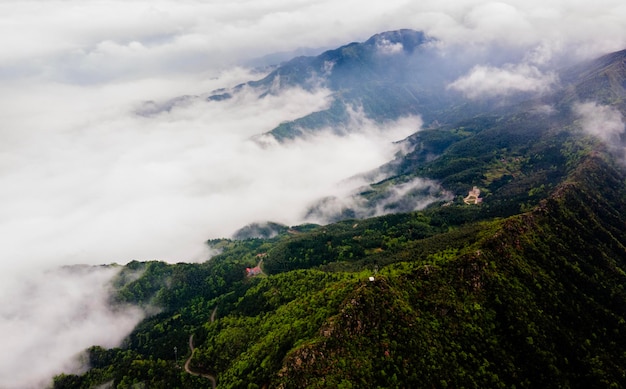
[492,254]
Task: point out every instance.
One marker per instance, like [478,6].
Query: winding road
[188,369]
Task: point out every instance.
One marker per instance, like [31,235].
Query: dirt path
[188,369]
[213,314]
[260,268]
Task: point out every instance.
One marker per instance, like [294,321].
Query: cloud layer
[601,121]
[93,42]
[486,81]
[134,187]
[47,318]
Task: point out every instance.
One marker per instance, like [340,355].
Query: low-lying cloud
[409,196]
[486,81]
[47,320]
[105,184]
[601,121]
[604,122]
[135,187]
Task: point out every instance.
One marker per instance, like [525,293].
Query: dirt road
[188,369]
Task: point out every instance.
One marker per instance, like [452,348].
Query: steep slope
[537,302]
[600,80]
[353,64]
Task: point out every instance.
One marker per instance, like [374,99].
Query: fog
[47,318]
[486,81]
[604,122]
[87,180]
[128,187]
[415,194]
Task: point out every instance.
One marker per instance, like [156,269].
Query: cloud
[487,81]
[123,186]
[47,319]
[410,196]
[94,42]
[86,180]
[543,109]
[413,195]
[602,121]
[91,42]
[384,46]
[558,27]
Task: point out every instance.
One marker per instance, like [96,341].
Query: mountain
[392,74]
[515,279]
[378,59]
[601,80]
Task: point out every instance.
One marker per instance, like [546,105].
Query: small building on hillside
[253,271]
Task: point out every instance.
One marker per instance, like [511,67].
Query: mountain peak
[405,39]
[382,76]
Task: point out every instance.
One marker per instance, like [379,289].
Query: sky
[86,180]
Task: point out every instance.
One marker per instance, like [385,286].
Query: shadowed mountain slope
[392,74]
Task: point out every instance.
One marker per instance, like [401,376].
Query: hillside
[523,289]
[601,80]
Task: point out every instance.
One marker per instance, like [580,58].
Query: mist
[605,123]
[47,319]
[88,180]
[133,187]
[485,81]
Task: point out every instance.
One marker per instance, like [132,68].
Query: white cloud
[85,180]
[384,46]
[575,28]
[543,109]
[413,195]
[601,121]
[118,186]
[89,41]
[487,81]
[47,319]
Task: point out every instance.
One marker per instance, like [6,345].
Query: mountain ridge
[391,74]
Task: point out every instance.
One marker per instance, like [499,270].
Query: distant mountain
[601,80]
[379,59]
[275,59]
[523,286]
[392,74]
